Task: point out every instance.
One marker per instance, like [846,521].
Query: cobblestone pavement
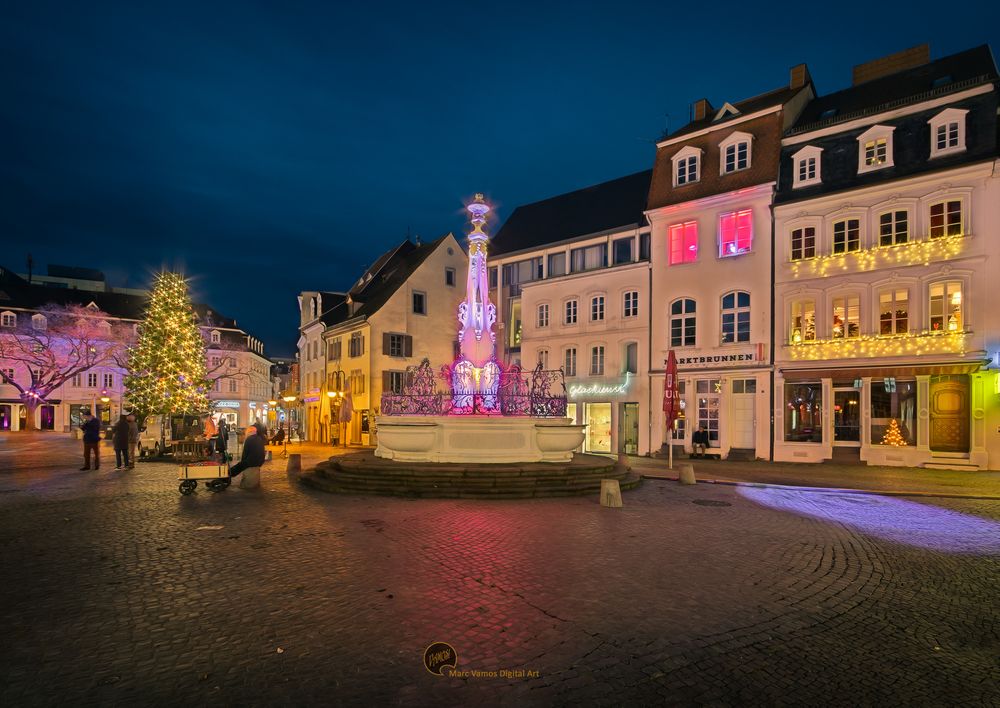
[117,590]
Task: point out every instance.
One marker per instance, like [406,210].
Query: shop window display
[893,400]
[804,412]
[598,427]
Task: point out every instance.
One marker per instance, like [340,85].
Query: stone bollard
[686,473]
[294,462]
[611,493]
[268,457]
[250,478]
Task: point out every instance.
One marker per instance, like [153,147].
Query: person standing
[91,428]
[119,437]
[253,452]
[133,439]
[222,445]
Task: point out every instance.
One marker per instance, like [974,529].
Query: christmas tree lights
[166,367]
[893,436]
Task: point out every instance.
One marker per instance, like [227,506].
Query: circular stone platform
[363,473]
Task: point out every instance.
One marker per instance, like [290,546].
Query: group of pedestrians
[124,437]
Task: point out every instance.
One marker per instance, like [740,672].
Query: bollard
[611,493]
[294,462]
[250,479]
[686,474]
[268,457]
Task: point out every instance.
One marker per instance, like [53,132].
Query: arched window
[736,317]
[682,323]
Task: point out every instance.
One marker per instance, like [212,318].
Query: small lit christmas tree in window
[893,436]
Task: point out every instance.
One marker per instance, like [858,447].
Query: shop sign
[252,404]
[736,358]
[227,404]
[602,388]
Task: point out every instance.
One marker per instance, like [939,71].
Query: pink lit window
[735,232]
[684,242]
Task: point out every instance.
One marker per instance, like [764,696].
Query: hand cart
[195,466]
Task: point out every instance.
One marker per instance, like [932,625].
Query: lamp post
[271,409]
[334,395]
[289,399]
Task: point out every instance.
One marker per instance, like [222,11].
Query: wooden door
[949,413]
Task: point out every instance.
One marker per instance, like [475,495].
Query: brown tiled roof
[777,97]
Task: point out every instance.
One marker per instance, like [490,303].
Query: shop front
[229,411]
[612,409]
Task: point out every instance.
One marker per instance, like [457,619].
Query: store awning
[841,373]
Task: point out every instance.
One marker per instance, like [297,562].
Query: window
[683,242]
[232,362]
[76,381]
[356,345]
[394,381]
[522,271]
[806,166]
[233,386]
[686,169]
[735,152]
[419,303]
[215,337]
[543,316]
[570,361]
[396,344]
[597,308]
[315,350]
[804,412]
[708,408]
[109,381]
[543,358]
[597,361]
[946,307]
[875,148]
[216,361]
[570,312]
[449,276]
[948,132]
[557,264]
[357,381]
[631,303]
[803,321]
[682,323]
[846,236]
[91,380]
[893,228]
[735,232]
[803,243]
[335,349]
[846,317]
[736,317]
[631,358]
[493,277]
[895,401]
[894,315]
[8,319]
[515,331]
[946,219]
[622,249]
[38,322]
[589,258]
[644,247]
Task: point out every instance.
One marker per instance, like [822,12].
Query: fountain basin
[479,439]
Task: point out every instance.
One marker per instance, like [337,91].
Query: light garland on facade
[871,346]
[903,254]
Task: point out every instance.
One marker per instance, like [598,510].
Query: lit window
[946,307]
[543,316]
[597,308]
[682,323]
[570,361]
[631,303]
[216,337]
[803,243]
[875,148]
[735,233]
[894,317]
[736,317]
[803,321]
[875,152]
[597,361]
[893,228]
[571,307]
[8,319]
[683,242]
[846,314]
[946,219]
[846,236]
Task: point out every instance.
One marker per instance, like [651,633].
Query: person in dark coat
[253,452]
[133,440]
[699,442]
[223,440]
[91,428]
[119,438]
[261,430]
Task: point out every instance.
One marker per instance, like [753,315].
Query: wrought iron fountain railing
[539,393]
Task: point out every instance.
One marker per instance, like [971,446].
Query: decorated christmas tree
[893,436]
[166,367]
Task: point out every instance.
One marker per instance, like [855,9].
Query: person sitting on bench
[699,442]
[278,437]
[253,452]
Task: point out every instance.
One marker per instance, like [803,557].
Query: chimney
[900,61]
[701,108]
[799,76]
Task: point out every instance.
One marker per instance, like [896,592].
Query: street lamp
[333,395]
[289,399]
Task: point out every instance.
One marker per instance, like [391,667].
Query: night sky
[275,147]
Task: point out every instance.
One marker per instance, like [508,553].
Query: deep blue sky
[274,147]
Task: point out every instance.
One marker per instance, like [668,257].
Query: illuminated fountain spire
[476,374]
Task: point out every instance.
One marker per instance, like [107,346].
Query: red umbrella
[671,402]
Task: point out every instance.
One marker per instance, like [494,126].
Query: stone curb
[830,490]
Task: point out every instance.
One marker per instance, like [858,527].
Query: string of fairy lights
[904,254]
[920,343]
[166,366]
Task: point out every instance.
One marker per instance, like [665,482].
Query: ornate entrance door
[949,413]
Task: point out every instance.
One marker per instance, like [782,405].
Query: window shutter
[386,381]
[385,343]
[407,345]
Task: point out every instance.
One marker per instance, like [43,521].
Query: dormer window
[215,337]
[8,319]
[947,132]
[875,148]
[38,322]
[687,166]
[806,167]
[735,152]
